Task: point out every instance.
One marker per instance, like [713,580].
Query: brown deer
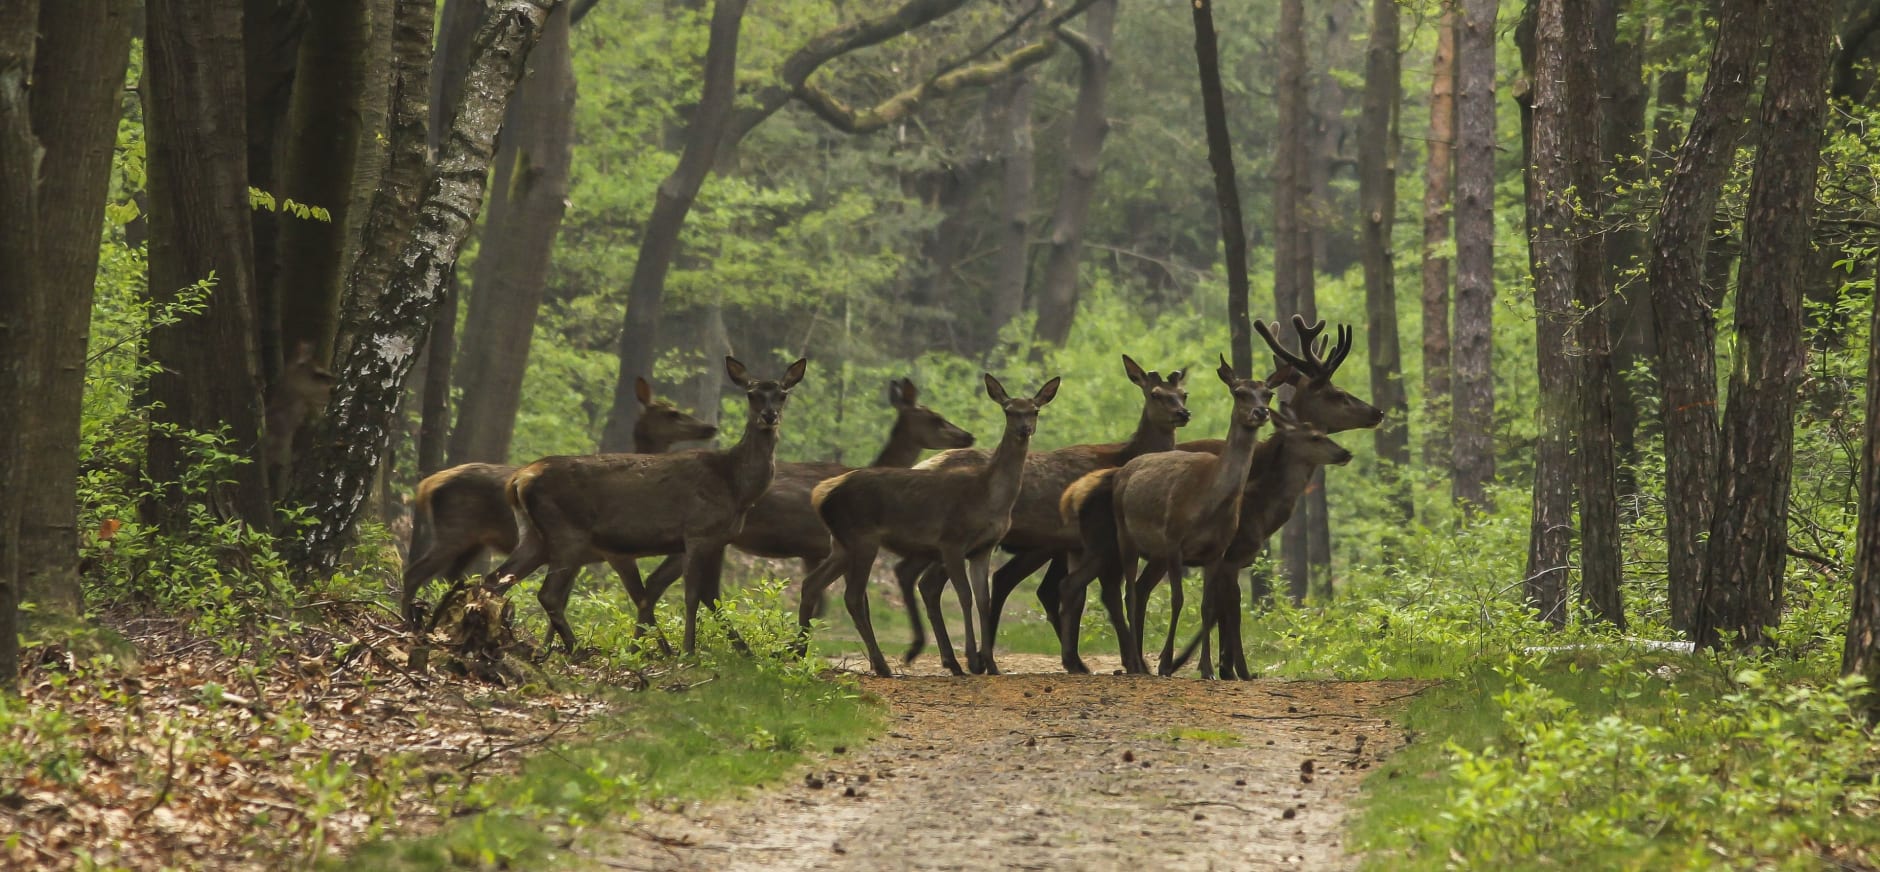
[302,390]
[783,524]
[1038,534]
[615,507]
[953,517]
[1304,379]
[1176,508]
[460,511]
[1283,467]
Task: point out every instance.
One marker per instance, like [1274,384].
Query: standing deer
[460,511]
[954,517]
[783,524]
[1038,534]
[615,507]
[1304,379]
[1181,507]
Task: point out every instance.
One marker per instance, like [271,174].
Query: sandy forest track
[1042,770]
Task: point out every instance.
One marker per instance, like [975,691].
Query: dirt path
[1042,770]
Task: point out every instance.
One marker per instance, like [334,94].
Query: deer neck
[1149,438]
[1005,471]
[1280,477]
[753,461]
[1230,470]
[901,450]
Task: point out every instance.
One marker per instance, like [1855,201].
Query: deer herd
[1127,515]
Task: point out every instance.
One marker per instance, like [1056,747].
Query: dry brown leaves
[189,759]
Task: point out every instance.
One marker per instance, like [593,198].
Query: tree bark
[458,27]
[1377,192]
[1742,587]
[333,485]
[271,33]
[209,377]
[639,338]
[1551,230]
[1292,249]
[20,295]
[1622,132]
[1438,181]
[1473,402]
[1683,306]
[1861,655]
[78,88]
[323,136]
[1591,31]
[1226,193]
[525,211]
[1057,288]
[1012,264]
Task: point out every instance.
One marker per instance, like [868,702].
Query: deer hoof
[1076,667]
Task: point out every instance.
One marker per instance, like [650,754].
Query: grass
[706,731]
[1218,738]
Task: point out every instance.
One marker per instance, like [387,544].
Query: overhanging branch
[849,119]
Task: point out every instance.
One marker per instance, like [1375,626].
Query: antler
[1279,351]
[1319,364]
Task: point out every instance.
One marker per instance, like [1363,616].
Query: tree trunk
[1862,653]
[333,484]
[525,211]
[1742,587]
[1377,192]
[199,228]
[1473,403]
[323,136]
[78,88]
[1057,289]
[1622,132]
[1682,306]
[1551,229]
[1590,46]
[446,80]
[639,338]
[20,295]
[1437,183]
[1012,264]
[1292,248]
[271,33]
[1226,194]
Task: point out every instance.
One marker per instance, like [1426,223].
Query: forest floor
[1043,770]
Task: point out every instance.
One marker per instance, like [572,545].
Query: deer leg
[908,573]
[1050,590]
[553,595]
[427,566]
[529,556]
[1139,592]
[1233,651]
[668,571]
[978,574]
[1069,621]
[1008,578]
[704,561]
[855,596]
[811,594]
[933,584]
[1167,664]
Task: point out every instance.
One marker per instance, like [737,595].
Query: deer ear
[1226,372]
[1133,369]
[996,391]
[901,393]
[795,373]
[1283,417]
[735,371]
[1047,393]
[1285,375]
[1175,378]
[642,391]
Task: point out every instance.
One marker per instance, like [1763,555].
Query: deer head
[1021,414]
[1307,443]
[1164,401]
[765,397]
[661,423]
[1250,396]
[924,427]
[1309,373]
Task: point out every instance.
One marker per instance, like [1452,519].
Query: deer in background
[302,390]
[616,507]
[783,524]
[954,517]
[1303,380]
[1175,508]
[460,511]
[1038,534]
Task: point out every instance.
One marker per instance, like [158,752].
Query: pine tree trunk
[323,137]
[1683,306]
[1012,264]
[332,486]
[1057,288]
[1742,587]
[646,290]
[1292,248]
[1622,133]
[1438,184]
[1551,228]
[1473,403]
[78,92]
[1226,194]
[209,379]
[1377,191]
[1590,47]
[1861,656]
[20,296]
[524,214]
